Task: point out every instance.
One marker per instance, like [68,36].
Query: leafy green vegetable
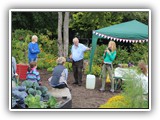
[27,83]
[18,98]
[14,102]
[19,94]
[33,101]
[37,97]
[43,104]
[44,90]
[38,92]
[46,97]
[32,91]
[35,85]
[52,102]
[38,88]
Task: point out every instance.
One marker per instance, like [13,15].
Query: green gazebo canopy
[131,31]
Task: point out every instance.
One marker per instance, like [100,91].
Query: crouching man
[59,75]
[58,80]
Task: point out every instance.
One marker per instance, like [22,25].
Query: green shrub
[139,52]
[86,55]
[133,92]
[42,54]
[47,61]
[96,70]
[98,58]
[22,35]
[68,65]
[49,46]
[49,51]
[40,64]
[20,40]
[131,97]
[50,69]
[122,56]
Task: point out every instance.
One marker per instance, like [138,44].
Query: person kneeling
[60,74]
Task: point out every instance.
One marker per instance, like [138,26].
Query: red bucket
[22,71]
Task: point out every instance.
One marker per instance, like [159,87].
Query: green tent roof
[131,31]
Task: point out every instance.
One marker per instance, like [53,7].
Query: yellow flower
[117,101]
[116,98]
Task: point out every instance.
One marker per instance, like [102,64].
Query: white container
[90,81]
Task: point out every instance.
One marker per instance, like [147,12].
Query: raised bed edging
[66,104]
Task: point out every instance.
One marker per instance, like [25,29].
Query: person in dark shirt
[59,75]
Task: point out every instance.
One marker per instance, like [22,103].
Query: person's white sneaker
[111,90]
[101,90]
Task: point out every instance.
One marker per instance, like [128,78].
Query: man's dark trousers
[77,71]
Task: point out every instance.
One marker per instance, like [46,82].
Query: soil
[82,97]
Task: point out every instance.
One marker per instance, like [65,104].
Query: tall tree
[84,22]
[60,45]
[66,33]
[141,16]
[63,41]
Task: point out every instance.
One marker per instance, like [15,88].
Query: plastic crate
[21,71]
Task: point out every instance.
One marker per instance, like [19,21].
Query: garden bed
[82,97]
[30,94]
[61,103]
